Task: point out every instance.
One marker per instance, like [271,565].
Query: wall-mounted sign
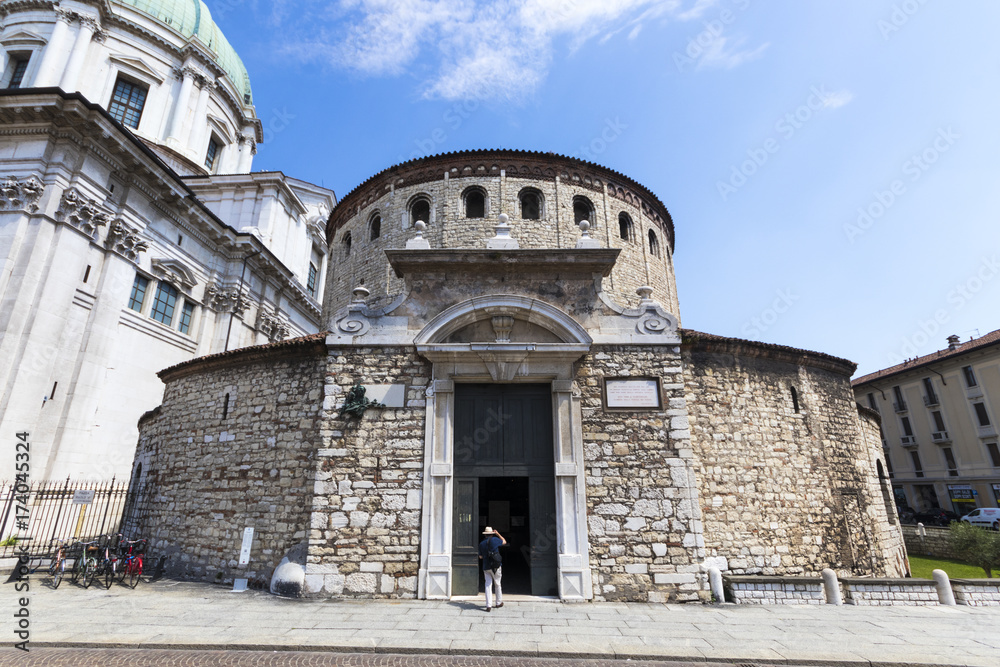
[245,549]
[633,393]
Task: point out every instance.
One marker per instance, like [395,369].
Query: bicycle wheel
[74,572]
[57,569]
[109,574]
[89,571]
[135,572]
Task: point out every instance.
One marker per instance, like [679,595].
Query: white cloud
[465,49]
[837,99]
[722,53]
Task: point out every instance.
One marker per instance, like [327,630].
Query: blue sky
[831,167]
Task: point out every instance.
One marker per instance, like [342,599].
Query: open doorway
[503,504]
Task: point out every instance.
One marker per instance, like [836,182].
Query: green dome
[191,18]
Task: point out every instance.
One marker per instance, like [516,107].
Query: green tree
[976,546]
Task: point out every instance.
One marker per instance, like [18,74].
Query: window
[138,293]
[929,393]
[86,274]
[970,377]
[475,203]
[795,399]
[127,102]
[900,405]
[917,468]
[654,244]
[311,282]
[582,210]
[211,153]
[186,313]
[872,403]
[949,460]
[981,415]
[375,227]
[531,204]
[625,227]
[907,429]
[938,420]
[991,447]
[19,66]
[163,306]
[346,242]
[420,210]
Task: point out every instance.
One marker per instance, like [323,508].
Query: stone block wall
[233,446]
[890,592]
[643,519]
[977,592]
[934,543]
[787,482]
[364,538]
[774,590]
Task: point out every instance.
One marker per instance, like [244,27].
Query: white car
[987,517]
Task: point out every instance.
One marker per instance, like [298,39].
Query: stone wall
[934,542]
[643,519]
[233,446]
[365,527]
[774,590]
[787,482]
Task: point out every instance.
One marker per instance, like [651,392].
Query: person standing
[489,553]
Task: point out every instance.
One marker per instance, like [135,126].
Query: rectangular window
[970,377]
[938,420]
[900,404]
[186,312]
[311,283]
[991,447]
[916,464]
[138,293]
[19,70]
[213,150]
[872,403]
[163,306]
[907,429]
[930,394]
[949,459]
[127,102]
[980,408]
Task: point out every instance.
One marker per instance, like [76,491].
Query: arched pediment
[174,271]
[494,308]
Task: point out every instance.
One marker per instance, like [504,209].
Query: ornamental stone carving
[226,299]
[82,213]
[125,241]
[20,195]
[271,325]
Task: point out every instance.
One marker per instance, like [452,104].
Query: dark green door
[504,431]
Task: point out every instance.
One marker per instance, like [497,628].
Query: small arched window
[795,399]
[420,210]
[654,244]
[375,227]
[582,210]
[475,203]
[625,227]
[531,204]
[346,241]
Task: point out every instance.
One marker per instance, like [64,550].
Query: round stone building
[512,318]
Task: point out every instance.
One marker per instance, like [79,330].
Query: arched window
[582,210]
[375,227]
[531,204]
[654,244]
[475,203]
[346,241]
[420,209]
[625,227]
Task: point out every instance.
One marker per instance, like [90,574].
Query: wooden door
[465,538]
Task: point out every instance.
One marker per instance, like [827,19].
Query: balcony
[908,440]
[940,437]
[931,400]
[899,406]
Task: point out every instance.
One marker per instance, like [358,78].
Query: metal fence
[33,517]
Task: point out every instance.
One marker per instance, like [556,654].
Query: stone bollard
[715,583]
[945,594]
[831,587]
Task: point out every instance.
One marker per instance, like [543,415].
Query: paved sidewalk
[171,614]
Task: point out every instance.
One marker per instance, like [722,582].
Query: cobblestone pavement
[179,615]
[83,657]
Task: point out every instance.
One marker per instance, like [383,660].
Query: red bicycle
[132,552]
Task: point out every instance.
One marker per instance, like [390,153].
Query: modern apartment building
[939,424]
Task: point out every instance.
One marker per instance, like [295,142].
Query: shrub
[976,546]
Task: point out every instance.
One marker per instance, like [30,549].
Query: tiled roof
[251,353]
[992,338]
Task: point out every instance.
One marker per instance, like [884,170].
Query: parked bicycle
[57,567]
[109,555]
[132,553]
[85,566]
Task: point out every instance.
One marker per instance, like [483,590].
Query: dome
[191,18]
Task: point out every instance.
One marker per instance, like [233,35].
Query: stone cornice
[697,341]
[517,164]
[583,263]
[307,346]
